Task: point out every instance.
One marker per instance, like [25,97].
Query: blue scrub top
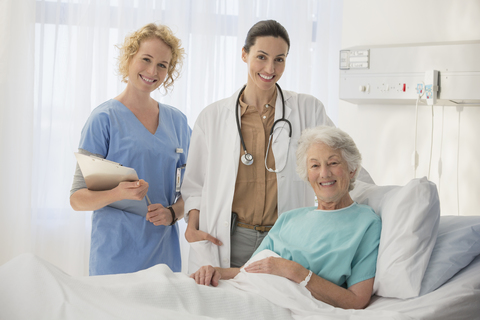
[122,241]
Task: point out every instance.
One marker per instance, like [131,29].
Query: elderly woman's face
[329,176]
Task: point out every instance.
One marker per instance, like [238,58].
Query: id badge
[178,175]
[178,179]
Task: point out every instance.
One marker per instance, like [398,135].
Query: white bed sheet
[34,289]
[31,288]
[458,298]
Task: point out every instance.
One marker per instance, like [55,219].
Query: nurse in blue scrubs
[153,138]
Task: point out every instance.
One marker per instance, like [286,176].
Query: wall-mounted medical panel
[397,74]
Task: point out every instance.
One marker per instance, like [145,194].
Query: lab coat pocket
[202,253]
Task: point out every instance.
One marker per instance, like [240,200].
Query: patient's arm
[207,275]
[356,296]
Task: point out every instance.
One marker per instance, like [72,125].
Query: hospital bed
[428,268]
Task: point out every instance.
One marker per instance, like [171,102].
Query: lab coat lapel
[280,140]
[232,128]
[282,126]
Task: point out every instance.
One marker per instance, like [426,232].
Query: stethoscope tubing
[247,158]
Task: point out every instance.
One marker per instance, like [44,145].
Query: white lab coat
[212,166]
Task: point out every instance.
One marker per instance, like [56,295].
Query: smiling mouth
[147,80]
[326,184]
[266,77]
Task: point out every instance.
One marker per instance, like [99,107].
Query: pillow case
[410,217]
[458,243]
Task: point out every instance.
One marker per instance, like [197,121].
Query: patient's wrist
[307,279]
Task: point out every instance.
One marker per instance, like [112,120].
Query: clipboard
[102,174]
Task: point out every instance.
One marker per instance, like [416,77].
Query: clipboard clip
[94,158]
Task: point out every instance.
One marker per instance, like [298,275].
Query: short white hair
[336,139]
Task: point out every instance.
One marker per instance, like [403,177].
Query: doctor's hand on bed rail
[193,234]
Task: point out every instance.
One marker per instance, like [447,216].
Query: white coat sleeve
[195,171]
[322,117]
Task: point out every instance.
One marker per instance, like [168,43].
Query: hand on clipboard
[133,190]
[101,174]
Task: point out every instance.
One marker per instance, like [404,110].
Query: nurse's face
[266,61]
[329,176]
[148,67]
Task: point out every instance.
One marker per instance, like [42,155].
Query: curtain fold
[58,62]
[17,35]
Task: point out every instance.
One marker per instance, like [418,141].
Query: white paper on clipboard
[101,174]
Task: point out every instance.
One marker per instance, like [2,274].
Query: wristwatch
[174,218]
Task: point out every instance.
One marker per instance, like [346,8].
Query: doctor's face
[148,67]
[266,61]
[329,176]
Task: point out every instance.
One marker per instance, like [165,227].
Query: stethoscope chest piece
[247,159]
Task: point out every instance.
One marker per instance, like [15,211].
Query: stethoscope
[247,158]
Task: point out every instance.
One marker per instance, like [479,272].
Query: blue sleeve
[364,262]
[95,137]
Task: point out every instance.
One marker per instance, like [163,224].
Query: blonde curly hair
[132,43]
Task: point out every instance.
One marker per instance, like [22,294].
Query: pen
[148,200]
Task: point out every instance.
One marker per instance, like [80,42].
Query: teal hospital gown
[340,246]
[123,241]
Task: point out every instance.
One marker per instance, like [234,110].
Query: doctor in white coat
[209,184]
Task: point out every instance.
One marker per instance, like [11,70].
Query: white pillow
[458,243]
[410,217]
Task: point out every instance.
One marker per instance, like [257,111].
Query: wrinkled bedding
[34,289]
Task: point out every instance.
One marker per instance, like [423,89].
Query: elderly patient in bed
[330,249]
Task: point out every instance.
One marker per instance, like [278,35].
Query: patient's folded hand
[207,275]
[267,261]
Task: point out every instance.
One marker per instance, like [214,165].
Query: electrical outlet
[420,89]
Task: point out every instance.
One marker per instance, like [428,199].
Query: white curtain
[58,62]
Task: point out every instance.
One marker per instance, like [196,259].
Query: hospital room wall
[385,133]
